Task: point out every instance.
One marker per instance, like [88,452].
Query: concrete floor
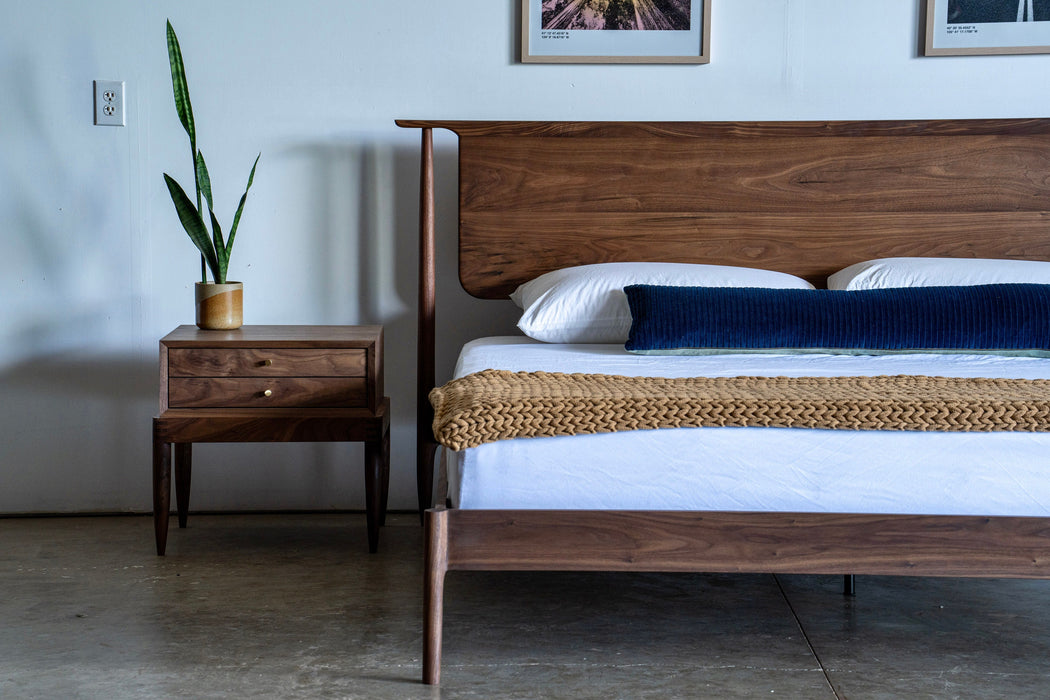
[289,606]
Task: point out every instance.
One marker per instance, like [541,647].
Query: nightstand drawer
[267,362]
[278,392]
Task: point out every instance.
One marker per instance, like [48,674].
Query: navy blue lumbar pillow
[982,317]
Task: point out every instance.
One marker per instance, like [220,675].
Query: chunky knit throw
[497,404]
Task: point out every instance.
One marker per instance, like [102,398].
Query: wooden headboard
[800,197]
[805,198]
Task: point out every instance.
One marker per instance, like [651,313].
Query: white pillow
[938,272]
[586,304]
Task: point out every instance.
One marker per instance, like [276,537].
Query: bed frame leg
[436,565]
[849,585]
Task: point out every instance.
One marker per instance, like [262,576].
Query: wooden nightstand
[270,384]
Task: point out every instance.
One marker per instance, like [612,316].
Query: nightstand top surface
[276,336]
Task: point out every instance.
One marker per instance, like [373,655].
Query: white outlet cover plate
[109,103]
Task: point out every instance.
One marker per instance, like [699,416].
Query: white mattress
[768,469]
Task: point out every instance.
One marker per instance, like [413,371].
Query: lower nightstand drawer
[276,392]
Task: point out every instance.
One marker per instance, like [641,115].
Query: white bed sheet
[770,469]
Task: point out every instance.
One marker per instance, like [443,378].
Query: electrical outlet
[109,103]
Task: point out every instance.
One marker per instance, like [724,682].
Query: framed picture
[958,27]
[615,31]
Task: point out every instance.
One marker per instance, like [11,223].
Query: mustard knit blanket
[497,404]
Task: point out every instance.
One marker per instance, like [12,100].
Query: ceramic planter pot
[220,307]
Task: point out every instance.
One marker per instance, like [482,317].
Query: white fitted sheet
[745,469]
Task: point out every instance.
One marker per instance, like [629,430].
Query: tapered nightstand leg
[161,491]
[183,472]
[386,479]
[373,491]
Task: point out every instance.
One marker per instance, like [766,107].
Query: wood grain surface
[817,543]
[496,258]
[284,336]
[274,425]
[268,392]
[806,198]
[266,362]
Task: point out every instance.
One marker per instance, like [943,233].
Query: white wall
[94,267]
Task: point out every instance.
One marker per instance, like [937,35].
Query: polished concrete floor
[290,606]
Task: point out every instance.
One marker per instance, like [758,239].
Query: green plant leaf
[215,253]
[240,207]
[194,225]
[222,253]
[204,180]
[184,108]
[180,87]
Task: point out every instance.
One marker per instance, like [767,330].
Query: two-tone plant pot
[220,307]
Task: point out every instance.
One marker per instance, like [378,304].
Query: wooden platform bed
[802,198]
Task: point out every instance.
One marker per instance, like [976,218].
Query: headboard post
[425,445]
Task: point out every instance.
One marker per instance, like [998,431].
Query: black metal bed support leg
[849,585]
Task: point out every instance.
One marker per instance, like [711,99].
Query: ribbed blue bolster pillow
[985,317]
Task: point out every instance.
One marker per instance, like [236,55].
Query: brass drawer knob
[266,363]
[268,392]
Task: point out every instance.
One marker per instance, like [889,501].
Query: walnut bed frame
[804,198]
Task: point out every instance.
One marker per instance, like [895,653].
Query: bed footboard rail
[722,542]
[769,542]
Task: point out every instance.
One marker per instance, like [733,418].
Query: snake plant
[215,250]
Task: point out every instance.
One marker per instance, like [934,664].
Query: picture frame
[986,27]
[607,31]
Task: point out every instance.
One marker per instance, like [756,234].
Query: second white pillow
[885,273]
